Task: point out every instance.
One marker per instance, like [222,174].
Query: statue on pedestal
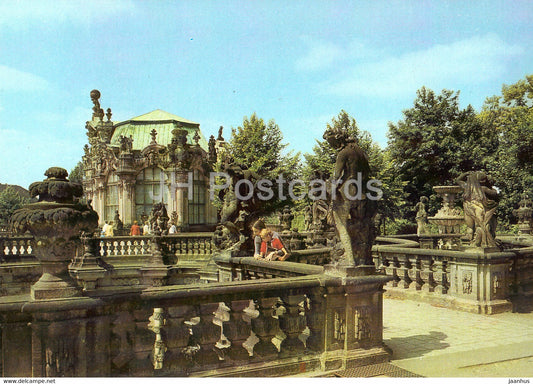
[480,201]
[353,211]
[421,216]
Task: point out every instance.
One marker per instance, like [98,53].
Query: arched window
[111,197]
[150,188]
[197,201]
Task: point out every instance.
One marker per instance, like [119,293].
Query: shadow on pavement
[416,345]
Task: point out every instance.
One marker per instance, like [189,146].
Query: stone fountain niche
[449,218]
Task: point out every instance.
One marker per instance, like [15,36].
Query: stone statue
[285,219]
[97,110]
[158,218]
[354,218]
[421,216]
[126,144]
[220,133]
[237,215]
[118,223]
[480,201]
[212,149]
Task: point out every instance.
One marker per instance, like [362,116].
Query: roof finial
[108,114]
[97,111]
[153,133]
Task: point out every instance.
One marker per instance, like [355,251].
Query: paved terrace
[437,342]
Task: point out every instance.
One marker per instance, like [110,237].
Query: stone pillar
[127,201]
[181,198]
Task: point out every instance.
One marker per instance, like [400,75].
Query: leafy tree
[76,174]
[258,146]
[510,118]
[10,201]
[324,156]
[434,143]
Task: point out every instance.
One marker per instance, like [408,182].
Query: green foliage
[434,143]
[76,174]
[400,227]
[10,201]
[258,145]
[510,117]
[382,168]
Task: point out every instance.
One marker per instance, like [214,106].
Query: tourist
[104,229]
[272,247]
[257,227]
[135,229]
[146,228]
[109,232]
[173,229]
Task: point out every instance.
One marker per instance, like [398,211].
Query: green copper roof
[163,122]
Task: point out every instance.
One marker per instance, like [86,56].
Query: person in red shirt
[272,247]
[135,229]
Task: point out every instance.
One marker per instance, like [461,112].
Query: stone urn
[448,218]
[56,222]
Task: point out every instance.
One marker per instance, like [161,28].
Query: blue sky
[213,62]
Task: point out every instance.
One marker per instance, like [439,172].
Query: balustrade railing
[16,248]
[191,244]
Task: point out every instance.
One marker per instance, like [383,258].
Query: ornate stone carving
[354,218]
[212,154]
[339,326]
[285,219]
[363,324]
[126,144]
[467,283]
[97,111]
[480,201]
[156,323]
[56,221]
[524,213]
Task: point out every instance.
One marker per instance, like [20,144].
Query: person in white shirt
[146,229]
[172,229]
[104,229]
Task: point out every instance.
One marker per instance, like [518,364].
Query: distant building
[154,158]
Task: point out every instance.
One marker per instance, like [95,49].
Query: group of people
[267,243]
[136,229]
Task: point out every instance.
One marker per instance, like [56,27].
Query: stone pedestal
[480,281]
[56,222]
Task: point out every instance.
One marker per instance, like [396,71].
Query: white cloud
[470,61]
[323,54]
[320,56]
[24,13]
[14,80]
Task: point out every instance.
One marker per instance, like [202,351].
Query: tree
[324,156]
[76,174]
[258,146]
[510,118]
[10,201]
[435,142]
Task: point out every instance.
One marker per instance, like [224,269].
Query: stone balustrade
[470,280]
[308,323]
[16,248]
